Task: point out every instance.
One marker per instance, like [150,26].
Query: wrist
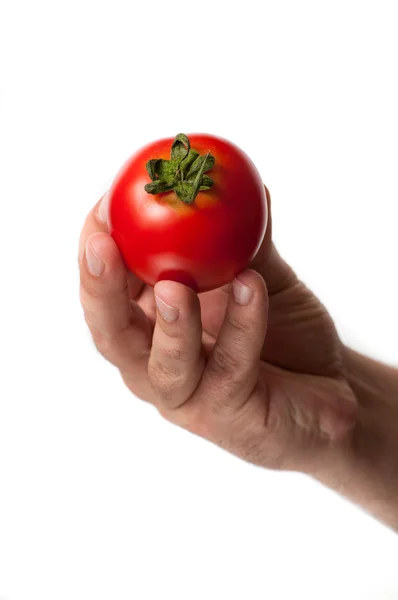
[375,437]
[364,467]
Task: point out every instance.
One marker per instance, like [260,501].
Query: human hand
[255,366]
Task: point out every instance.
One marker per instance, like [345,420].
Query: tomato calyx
[184,172]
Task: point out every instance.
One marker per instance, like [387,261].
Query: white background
[99,498]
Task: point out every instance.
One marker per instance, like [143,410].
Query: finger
[96,222]
[213,306]
[119,328]
[146,301]
[232,368]
[277,274]
[177,361]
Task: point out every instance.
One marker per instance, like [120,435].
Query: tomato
[192,210]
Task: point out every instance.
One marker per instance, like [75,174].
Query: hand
[255,366]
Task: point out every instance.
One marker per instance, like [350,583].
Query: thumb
[276,273]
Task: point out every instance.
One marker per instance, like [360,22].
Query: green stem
[184,173]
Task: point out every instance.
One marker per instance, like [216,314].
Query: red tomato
[165,231]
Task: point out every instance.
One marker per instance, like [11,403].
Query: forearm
[366,469]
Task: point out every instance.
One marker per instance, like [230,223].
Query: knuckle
[240,325]
[174,356]
[203,424]
[165,376]
[172,332]
[104,344]
[89,289]
[90,318]
[94,289]
[162,370]
[226,362]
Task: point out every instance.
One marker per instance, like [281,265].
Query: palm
[300,367]
[301,337]
[301,390]
[298,393]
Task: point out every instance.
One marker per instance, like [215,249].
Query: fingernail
[169,313]
[242,293]
[94,263]
[103,209]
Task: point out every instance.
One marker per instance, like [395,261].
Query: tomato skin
[204,244]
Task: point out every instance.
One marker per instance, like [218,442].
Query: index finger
[97,221]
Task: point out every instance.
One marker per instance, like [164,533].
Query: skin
[204,244]
[256,367]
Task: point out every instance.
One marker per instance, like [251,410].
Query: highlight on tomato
[191,210]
